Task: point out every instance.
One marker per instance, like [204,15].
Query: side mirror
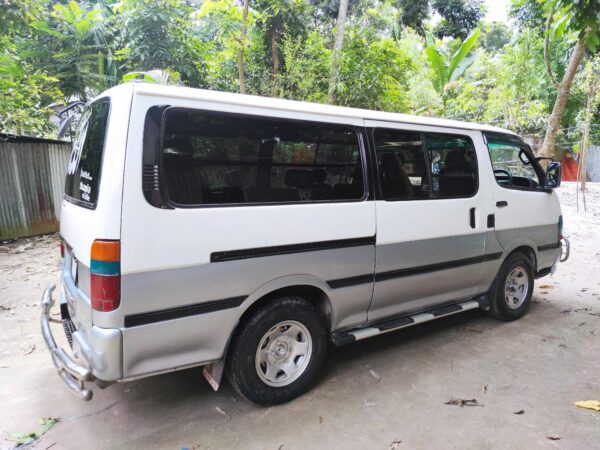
[553,175]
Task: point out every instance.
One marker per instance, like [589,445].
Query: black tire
[499,303]
[242,370]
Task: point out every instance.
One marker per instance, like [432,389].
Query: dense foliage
[428,57]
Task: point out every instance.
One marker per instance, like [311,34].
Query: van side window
[218,158]
[401,164]
[513,166]
[453,165]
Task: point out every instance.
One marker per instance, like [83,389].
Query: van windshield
[83,172]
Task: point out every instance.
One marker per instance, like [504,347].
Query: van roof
[142,88]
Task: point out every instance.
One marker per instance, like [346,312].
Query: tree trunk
[547,51]
[240,56]
[562,96]
[337,47]
[586,128]
[275,61]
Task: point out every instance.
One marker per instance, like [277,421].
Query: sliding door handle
[501,204]
[472,217]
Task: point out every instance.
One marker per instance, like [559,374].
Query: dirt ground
[383,393]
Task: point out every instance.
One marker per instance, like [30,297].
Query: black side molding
[542,248]
[135,320]
[260,252]
[410,271]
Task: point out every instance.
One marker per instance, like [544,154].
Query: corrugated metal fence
[593,164]
[32,173]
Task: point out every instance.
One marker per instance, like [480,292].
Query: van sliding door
[430,218]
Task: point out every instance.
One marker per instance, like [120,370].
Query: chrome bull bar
[565,249]
[73,374]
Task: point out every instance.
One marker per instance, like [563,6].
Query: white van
[243,234]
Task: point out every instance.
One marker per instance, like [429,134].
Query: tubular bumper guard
[73,374]
[565,249]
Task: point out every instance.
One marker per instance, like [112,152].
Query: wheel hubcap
[283,353]
[516,287]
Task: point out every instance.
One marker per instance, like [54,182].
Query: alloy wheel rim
[283,353]
[516,287]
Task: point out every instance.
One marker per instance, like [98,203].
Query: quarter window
[453,165]
[401,164]
[513,165]
[215,158]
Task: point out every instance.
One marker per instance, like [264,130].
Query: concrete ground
[383,393]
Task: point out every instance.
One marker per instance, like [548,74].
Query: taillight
[62,249]
[105,271]
[560,228]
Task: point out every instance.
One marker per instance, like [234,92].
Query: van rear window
[83,172]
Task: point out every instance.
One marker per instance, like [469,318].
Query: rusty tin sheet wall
[31,184]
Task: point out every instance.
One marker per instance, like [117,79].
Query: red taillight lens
[106,292]
[105,275]
[62,249]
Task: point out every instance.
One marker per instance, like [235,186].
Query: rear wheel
[511,292]
[278,351]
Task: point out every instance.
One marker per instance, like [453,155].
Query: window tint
[212,158]
[401,164]
[512,165]
[453,165]
[83,172]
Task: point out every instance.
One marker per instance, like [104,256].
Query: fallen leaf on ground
[518,413]
[45,424]
[589,404]
[463,402]
[484,388]
[320,419]
[546,286]
[220,411]
[394,445]
[28,349]
[375,374]
[554,438]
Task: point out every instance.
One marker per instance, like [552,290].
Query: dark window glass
[513,167]
[401,164]
[83,172]
[211,158]
[453,165]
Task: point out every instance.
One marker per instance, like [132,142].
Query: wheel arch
[310,288]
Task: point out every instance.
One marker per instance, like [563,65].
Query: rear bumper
[101,352]
[73,374]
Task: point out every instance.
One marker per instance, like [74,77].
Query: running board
[398,323]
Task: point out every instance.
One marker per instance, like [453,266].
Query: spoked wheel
[510,295]
[278,351]
[283,353]
[516,287]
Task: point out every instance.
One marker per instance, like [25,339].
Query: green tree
[580,19]
[449,67]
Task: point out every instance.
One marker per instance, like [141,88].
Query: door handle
[472,217]
[501,204]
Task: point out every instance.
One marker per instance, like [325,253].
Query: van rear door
[91,208]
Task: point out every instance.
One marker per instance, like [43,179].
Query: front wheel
[512,290]
[278,351]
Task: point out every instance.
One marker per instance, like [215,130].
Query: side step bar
[398,323]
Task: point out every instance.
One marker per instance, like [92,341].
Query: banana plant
[446,67]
